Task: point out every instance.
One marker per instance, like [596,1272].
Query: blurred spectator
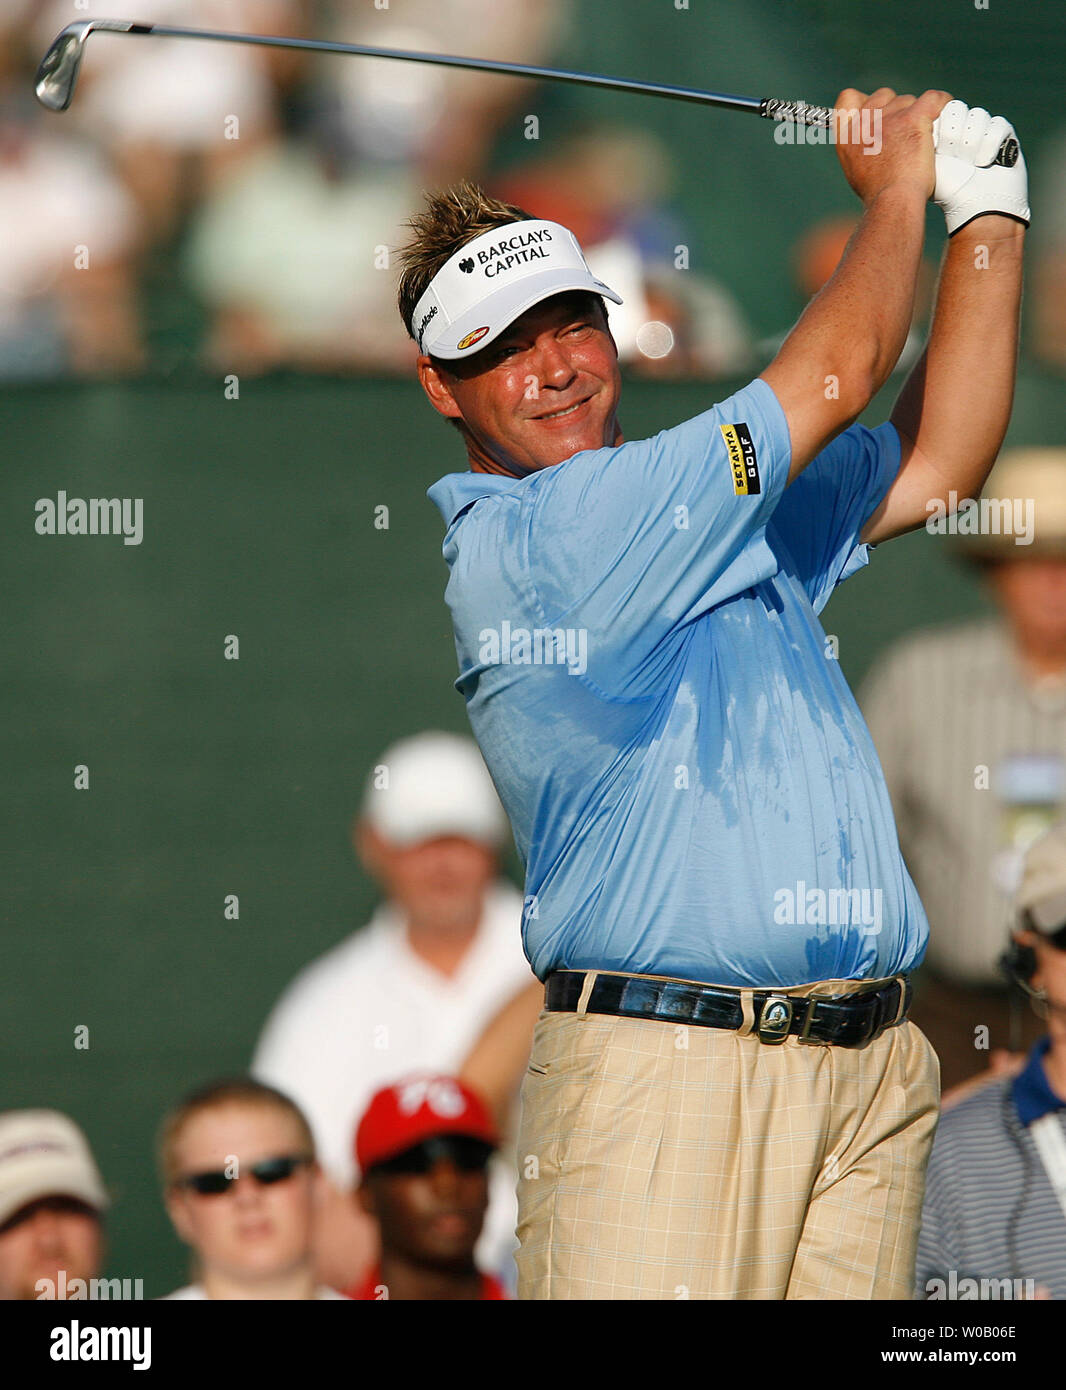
[291,257]
[814,258]
[52,1201]
[291,253]
[239,1172]
[413,989]
[439,122]
[607,184]
[991,1215]
[970,726]
[423,1148]
[1046,300]
[68,236]
[175,113]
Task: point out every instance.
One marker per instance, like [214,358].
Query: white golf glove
[967,140]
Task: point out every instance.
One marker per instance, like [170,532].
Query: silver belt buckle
[775,1019]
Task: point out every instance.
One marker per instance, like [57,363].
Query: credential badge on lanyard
[1051,1146]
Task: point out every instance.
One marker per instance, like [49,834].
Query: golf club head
[58,72]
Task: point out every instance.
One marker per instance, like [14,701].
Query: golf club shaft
[618,84]
[810,115]
[58,72]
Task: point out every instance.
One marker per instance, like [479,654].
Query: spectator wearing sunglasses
[994,1219]
[240,1183]
[423,1148]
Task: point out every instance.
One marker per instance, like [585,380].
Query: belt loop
[747,1012]
[901,980]
[586,991]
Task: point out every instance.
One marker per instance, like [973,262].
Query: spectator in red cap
[423,1147]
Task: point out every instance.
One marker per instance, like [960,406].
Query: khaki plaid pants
[663,1161]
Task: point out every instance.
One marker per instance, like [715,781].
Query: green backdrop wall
[211,776]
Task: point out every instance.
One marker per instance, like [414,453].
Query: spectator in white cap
[410,991]
[994,1219]
[52,1200]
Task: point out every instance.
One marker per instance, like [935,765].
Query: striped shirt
[974,755]
[990,1211]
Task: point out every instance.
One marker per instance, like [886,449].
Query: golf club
[58,72]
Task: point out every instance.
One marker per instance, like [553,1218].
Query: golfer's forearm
[496,1063]
[956,403]
[853,331]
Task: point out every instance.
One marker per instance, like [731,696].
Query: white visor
[493,279]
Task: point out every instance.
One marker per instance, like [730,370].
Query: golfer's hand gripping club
[971,178]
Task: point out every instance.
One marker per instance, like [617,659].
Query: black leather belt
[846,1020]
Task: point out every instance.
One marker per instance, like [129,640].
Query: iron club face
[58,72]
[57,75]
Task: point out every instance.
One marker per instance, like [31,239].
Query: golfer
[724,1098]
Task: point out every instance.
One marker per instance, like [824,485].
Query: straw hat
[1033,482]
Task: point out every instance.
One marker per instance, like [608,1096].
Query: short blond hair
[235,1090]
[450,219]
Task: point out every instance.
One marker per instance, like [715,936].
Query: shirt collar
[457,491]
[1033,1096]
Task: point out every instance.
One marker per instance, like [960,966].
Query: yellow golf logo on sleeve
[742,461]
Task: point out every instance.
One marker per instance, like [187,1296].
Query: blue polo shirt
[690,783]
